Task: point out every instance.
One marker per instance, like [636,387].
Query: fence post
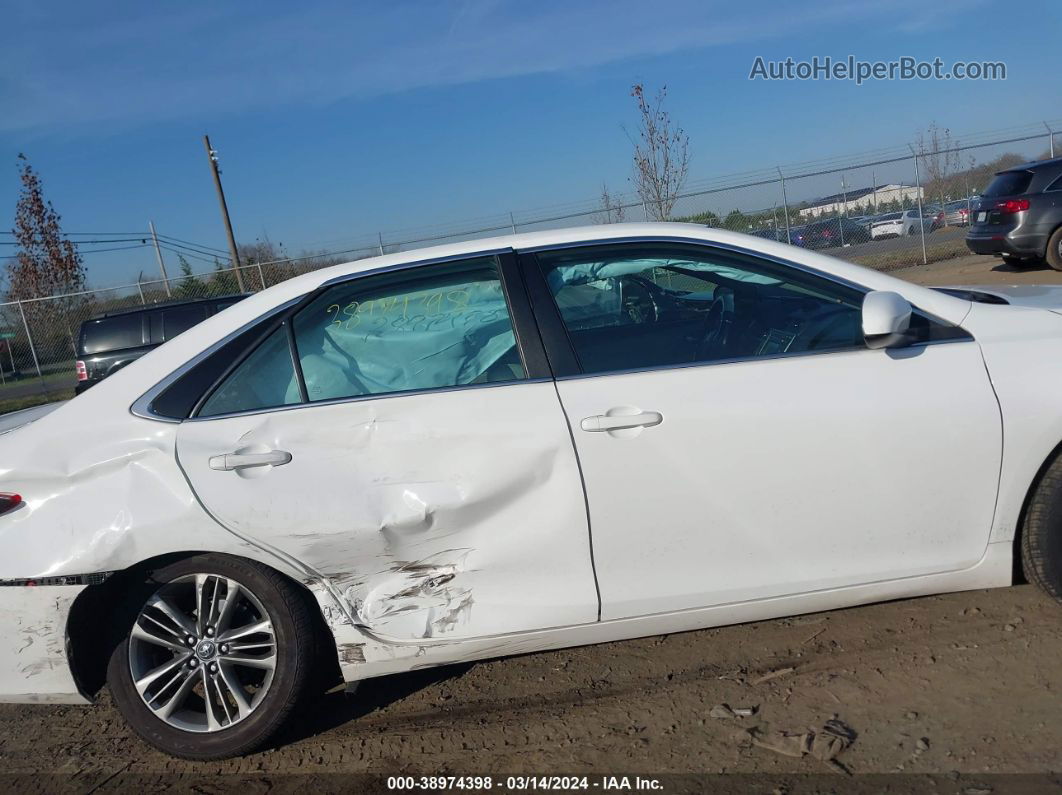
[785,206]
[379,236]
[140,290]
[918,196]
[261,275]
[512,221]
[29,338]
[1051,139]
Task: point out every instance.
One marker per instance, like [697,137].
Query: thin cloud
[82,66]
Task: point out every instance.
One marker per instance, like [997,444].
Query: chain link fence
[888,209]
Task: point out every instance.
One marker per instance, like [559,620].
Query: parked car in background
[957,213]
[511,445]
[108,342]
[770,233]
[833,232]
[901,224]
[935,217]
[1019,215]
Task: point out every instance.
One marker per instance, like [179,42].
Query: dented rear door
[444,512]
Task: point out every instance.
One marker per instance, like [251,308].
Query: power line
[191,243]
[97,250]
[141,238]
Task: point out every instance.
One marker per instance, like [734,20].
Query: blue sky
[337,120]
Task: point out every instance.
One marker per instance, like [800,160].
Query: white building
[845,203]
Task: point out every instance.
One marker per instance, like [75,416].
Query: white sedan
[518,444]
[901,224]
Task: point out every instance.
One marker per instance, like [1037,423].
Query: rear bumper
[1017,245]
[34,663]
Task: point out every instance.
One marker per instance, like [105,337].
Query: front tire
[217,652]
[1041,541]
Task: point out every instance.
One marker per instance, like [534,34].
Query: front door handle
[605,422]
[230,461]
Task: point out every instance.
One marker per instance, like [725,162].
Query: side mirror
[886,318]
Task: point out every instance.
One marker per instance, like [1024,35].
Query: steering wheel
[717,325]
[639,304]
[818,326]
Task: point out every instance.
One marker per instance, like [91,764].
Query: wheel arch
[100,613]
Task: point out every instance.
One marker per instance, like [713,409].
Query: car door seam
[586,498]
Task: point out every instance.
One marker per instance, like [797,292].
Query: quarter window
[265,379]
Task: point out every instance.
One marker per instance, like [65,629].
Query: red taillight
[82,371]
[9,501]
[964,211]
[1013,205]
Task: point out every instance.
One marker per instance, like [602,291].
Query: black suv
[108,343]
[1019,216]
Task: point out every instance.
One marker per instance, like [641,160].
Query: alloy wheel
[202,653]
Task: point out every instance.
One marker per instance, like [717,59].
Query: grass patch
[29,401]
[895,260]
[51,382]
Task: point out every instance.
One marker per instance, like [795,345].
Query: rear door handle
[603,422]
[230,461]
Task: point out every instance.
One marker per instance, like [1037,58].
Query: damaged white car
[511,445]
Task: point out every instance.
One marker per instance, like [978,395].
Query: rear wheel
[1053,255]
[218,653]
[1041,541]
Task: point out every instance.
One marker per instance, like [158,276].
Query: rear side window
[1008,183]
[181,318]
[424,328]
[112,334]
[431,327]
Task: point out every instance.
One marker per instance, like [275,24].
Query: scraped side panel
[33,660]
[432,516]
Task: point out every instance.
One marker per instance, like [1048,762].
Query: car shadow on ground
[1003,267]
[330,710]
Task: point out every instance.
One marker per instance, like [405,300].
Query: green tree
[222,280]
[188,286]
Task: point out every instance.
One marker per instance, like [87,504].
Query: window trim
[561,350]
[525,332]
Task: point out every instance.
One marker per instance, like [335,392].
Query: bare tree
[612,211]
[661,155]
[940,155]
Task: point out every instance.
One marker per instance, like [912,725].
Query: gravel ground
[964,684]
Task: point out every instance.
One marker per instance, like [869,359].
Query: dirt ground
[966,684]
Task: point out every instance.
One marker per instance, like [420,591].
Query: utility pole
[785,207]
[162,265]
[212,156]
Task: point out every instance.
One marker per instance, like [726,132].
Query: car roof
[1036,165]
[169,305]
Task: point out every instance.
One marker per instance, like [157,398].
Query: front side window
[632,308]
[422,328]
